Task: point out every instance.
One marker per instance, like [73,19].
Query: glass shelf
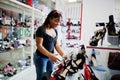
[107,47]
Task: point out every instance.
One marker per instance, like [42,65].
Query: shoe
[93,63]
[80,57]
[62,75]
[73,67]
[76,64]
[82,50]
[99,34]
[111,26]
[8,70]
[59,77]
[70,67]
[62,71]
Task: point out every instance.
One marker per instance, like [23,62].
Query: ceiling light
[72,0]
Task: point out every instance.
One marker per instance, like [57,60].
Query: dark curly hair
[51,15]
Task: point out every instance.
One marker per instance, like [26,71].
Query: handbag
[114,60]
[115,77]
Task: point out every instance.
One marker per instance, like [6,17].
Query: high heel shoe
[99,34]
[73,67]
[111,26]
[82,58]
[82,49]
[77,63]
[70,67]
[62,75]
[94,64]
[62,71]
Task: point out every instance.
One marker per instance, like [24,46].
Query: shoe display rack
[72,26]
[102,57]
[71,31]
[18,22]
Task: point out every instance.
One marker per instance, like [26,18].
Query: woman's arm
[58,49]
[40,47]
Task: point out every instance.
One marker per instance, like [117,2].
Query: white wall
[95,11]
[117,11]
[60,5]
[72,11]
[69,10]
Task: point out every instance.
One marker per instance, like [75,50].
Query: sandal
[77,64]
[59,77]
[82,57]
[73,67]
[94,64]
[99,34]
[62,75]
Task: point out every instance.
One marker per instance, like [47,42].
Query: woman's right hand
[54,58]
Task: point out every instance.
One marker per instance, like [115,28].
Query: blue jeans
[42,65]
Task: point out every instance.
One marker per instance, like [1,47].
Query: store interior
[84,23]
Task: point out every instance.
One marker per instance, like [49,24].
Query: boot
[111,26]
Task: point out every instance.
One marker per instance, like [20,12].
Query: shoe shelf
[71,33]
[73,28]
[15,3]
[104,47]
[24,74]
[18,59]
[17,19]
[102,40]
[21,6]
[102,56]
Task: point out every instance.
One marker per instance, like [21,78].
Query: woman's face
[54,22]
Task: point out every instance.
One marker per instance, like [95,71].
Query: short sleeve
[40,32]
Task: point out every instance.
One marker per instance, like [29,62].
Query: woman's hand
[65,57]
[54,58]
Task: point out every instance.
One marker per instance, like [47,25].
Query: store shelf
[49,3]
[17,4]
[26,72]
[110,47]
[22,6]
[12,11]
[26,52]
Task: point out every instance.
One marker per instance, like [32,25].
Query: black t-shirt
[48,41]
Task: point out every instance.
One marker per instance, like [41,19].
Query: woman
[46,42]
